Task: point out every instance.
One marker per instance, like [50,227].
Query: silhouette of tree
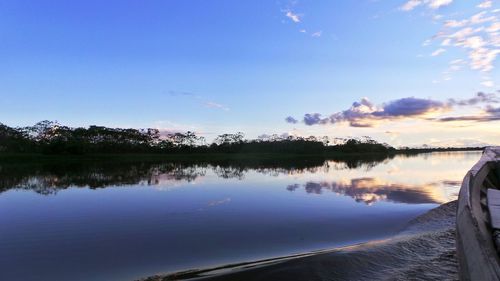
[53,138]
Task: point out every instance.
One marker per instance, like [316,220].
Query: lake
[108,220]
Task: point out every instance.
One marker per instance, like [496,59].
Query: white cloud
[433,4]
[410,5]
[474,42]
[457,61]
[438,52]
[478,34]
[211,104]
[485,4]
[456,65]
[479,18]
[292,16]
[317,34]
[455,23]
[495,27]
[488,83]
[457,142]
[202,100]
[446,42]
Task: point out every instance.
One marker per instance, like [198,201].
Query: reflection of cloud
[218,202]
[371,190]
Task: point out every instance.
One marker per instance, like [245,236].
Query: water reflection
[111,220]
[47,179]
[371,190]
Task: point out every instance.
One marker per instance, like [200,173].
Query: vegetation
[48,137]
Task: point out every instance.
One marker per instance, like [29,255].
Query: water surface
[123,221]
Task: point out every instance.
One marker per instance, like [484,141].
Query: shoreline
[25,158]
[423,250]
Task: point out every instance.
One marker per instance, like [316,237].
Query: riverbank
[423,250]
[25,158]
[223,159]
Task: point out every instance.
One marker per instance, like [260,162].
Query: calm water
[110,221]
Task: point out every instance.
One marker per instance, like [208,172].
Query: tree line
[53,138]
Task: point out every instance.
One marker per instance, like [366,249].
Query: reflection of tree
[370,190]
[48,178]
[230,172]
[366,162]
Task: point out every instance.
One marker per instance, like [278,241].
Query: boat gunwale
[476,251]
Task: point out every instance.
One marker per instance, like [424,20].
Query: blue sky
[226,66]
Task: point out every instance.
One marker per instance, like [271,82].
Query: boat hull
[476,251]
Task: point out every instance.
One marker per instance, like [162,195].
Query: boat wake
[423,250]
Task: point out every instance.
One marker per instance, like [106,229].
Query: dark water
[123,221]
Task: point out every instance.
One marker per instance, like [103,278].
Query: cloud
[211,104]
[489,114]
[410,5]
[364,113]
[268,137]
[409,107]
[180,93]
[292,16]
[438,52]
[485,4]
[317,34]
[478,98]
[433,4]
[457,142]
[479,118]
[455,23]
[488,83]
[315,118]
[493,110]
[168,128]
[478,34]
[291,120]
[198,98]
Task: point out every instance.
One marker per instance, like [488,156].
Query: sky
[404,72]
